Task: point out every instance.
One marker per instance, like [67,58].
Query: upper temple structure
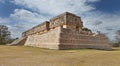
[64,31]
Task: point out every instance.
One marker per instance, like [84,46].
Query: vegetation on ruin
[86,29]
[29,56]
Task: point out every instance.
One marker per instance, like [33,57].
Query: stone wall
[71,40]
[70,20]
[62,38]
[73,21]
[49,39]
[58,21]
[41,28]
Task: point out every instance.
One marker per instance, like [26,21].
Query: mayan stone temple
[64,31]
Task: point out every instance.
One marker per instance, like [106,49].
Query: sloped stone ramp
[20,41]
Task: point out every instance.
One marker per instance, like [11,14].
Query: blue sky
[110,6]
[20,15]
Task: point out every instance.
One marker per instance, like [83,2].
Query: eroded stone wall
[47,40]
[73,21]
[39,29]
[62,38]
[71,40]
[58,21]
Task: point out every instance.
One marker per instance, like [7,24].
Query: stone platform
[61,38]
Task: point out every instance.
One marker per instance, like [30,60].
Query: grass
[28,56]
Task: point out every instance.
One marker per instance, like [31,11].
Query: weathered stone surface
[64,32]
[47,40]
[39,29]
[62,38]
[71,40]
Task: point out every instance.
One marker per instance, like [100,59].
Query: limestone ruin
[64,31]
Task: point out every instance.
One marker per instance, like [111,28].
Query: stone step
[19,41]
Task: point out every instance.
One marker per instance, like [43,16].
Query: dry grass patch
[28,56]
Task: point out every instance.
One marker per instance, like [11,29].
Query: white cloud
[54,7]
[3,21]
[24,20]
[26,16]
[106,23]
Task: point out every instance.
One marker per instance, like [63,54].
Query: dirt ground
[29,56]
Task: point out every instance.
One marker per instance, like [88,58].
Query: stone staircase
[20,41]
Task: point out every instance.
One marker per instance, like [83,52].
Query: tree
[86,29]
[4,34]
[117,37]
